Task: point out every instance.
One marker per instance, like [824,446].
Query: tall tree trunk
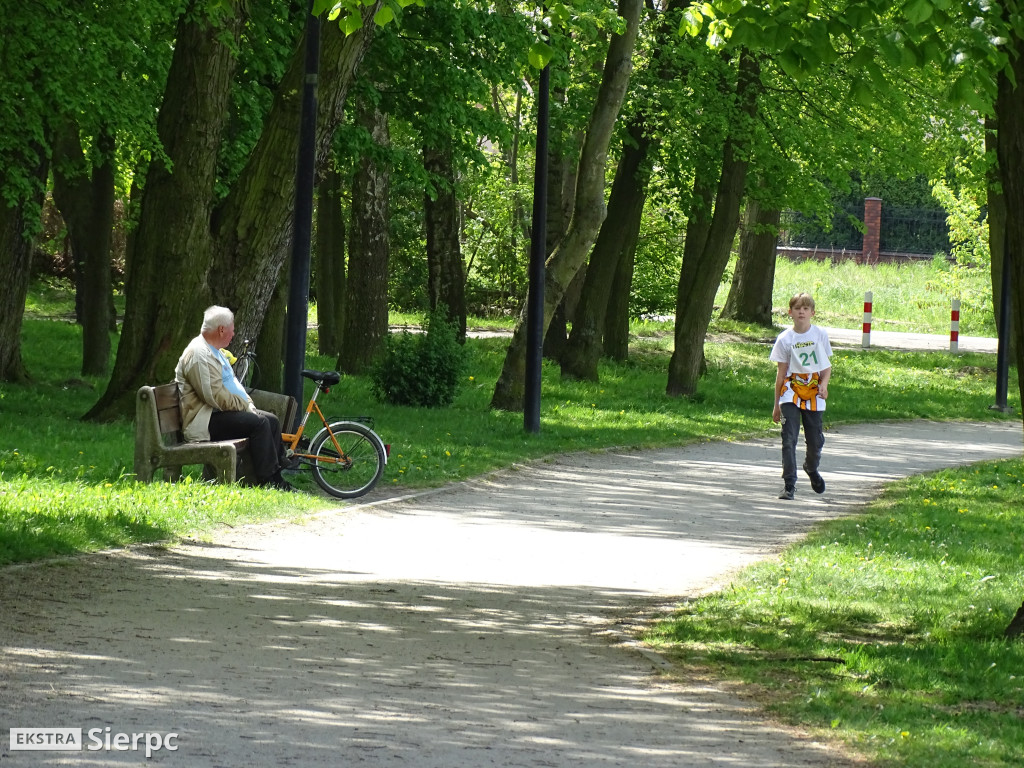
[270,344]
[616,321]
[179,232]
[702,269]
[750,297]
[85,198]
[254,226]
[446,282]
[16,268]
[172,244]
[15,265]
[588,209]
[366,321]
[557,336]
[996,225]
[561,183]
[627,199]
[1010,144]
[563,157]
[698,228]
[1010,119]
[610,334]
[330,264]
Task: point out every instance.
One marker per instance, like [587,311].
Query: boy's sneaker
[817,481]
[788,493]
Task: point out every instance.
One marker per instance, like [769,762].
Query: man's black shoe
[788,494]
[292,463]
[278,483]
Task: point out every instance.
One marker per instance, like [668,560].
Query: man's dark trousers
[264,433]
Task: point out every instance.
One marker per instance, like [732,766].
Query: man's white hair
[216,316]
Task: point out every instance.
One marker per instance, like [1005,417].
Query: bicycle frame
[345,473]
[291,440]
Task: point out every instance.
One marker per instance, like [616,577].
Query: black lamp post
[538,253]
[298,287]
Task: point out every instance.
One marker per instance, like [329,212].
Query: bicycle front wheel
[348,459]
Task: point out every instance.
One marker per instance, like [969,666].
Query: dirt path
[474,626]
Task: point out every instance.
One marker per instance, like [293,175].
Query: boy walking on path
[801,388]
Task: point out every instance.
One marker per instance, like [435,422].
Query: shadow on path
[465,628]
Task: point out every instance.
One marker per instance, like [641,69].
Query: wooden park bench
[160,443]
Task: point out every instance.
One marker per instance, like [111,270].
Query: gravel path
[485,624]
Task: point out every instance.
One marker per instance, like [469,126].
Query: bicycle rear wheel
[353,470]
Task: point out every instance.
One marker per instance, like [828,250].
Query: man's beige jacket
[200,377]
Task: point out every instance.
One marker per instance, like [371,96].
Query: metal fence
[798,230]
[914,230]
[903,230]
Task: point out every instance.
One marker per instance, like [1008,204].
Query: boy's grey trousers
[814,437]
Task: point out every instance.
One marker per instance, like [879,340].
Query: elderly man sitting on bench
[215,406]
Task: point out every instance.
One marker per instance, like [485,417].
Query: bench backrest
[167,403]
[168,411]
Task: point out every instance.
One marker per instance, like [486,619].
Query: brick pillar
[873,235]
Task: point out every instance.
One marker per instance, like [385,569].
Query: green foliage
[421,369]
[910,599]
[968,227]
[268,39]
[659,256]
[495,246]
[349,13]
[968,234]
[959,42]
[93,65]
[452,75]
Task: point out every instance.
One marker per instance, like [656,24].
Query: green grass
[45,516]
[884,630]
[66,485]
[910,298]
[46,451]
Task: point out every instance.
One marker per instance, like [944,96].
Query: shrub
[420,369]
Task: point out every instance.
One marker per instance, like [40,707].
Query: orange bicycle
[346,456]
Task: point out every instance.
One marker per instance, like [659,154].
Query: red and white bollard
[866,337]
[954,327]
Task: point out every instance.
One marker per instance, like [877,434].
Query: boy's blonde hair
[802,300]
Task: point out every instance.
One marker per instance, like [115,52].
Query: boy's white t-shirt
[808,355]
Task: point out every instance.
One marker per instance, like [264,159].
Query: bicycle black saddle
[326,378]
